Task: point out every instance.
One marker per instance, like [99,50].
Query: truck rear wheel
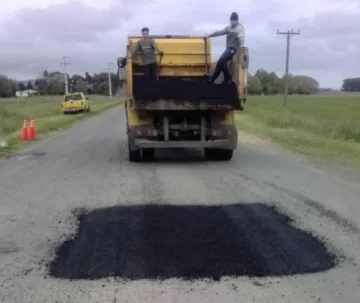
[134,155]
[225,154]
[218,154]
[148,154]
[210,154]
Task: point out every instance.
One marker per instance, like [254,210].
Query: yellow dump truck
[181,109]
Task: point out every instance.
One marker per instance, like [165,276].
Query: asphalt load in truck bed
[188,242]
[178,89]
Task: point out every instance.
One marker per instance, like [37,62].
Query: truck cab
[181,109]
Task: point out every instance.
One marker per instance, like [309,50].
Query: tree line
[268,83]
[351,85]
[53,83]
[262,82]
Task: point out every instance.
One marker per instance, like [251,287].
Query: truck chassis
[182,129]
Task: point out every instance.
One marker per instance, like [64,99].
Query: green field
[326,126]
[46,113]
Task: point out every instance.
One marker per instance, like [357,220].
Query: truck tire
[218,154]
[224,154]
[210,154]
[134,155]
[148,154]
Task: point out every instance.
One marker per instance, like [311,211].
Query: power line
[288,35]
[65,63]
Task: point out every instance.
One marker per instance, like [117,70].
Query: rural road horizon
[80,223]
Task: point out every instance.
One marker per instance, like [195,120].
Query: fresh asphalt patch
[189,242]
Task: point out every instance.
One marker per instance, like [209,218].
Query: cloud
[94,33]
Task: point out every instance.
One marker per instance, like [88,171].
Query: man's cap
[234,17]
[144,29]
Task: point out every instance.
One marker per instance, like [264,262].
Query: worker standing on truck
[147,47]
[235,36]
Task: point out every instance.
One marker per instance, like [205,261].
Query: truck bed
[183,93]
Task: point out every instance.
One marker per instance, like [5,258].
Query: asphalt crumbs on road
[188,242]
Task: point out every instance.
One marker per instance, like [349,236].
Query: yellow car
[75,103]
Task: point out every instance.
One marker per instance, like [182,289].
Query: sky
[35,35]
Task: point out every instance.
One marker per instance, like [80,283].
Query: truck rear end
[181,109]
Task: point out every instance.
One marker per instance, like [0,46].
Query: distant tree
[56,83]
[277,84]
[42,84]
[99,82]
[300,84]
[88,78]
[74,80]
[13,85]
[351,85]
[21,86]
[6,89]
[80,86]
[254,85]
[303,85]
[102,89]
[89,83]
[270,82]
[265,80]
[29,85]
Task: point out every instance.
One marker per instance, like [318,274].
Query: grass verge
[324,126]
[47,116]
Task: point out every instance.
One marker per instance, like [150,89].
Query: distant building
[26,93]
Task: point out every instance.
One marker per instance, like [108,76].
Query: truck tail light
[147,132]
[216,133]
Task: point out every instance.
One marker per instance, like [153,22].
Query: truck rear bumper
[73,109]
[222,136]
[221,143]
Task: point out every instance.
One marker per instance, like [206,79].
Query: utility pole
[109,73]
[288,35]
[65,63]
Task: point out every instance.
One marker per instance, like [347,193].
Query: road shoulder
[343,173]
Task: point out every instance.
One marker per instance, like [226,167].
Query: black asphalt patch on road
[189,242]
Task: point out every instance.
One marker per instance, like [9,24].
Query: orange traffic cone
[24,133]
[32,130]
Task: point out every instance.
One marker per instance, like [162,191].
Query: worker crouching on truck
[235,36]
[147,47]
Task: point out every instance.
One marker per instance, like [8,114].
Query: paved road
[265,227]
